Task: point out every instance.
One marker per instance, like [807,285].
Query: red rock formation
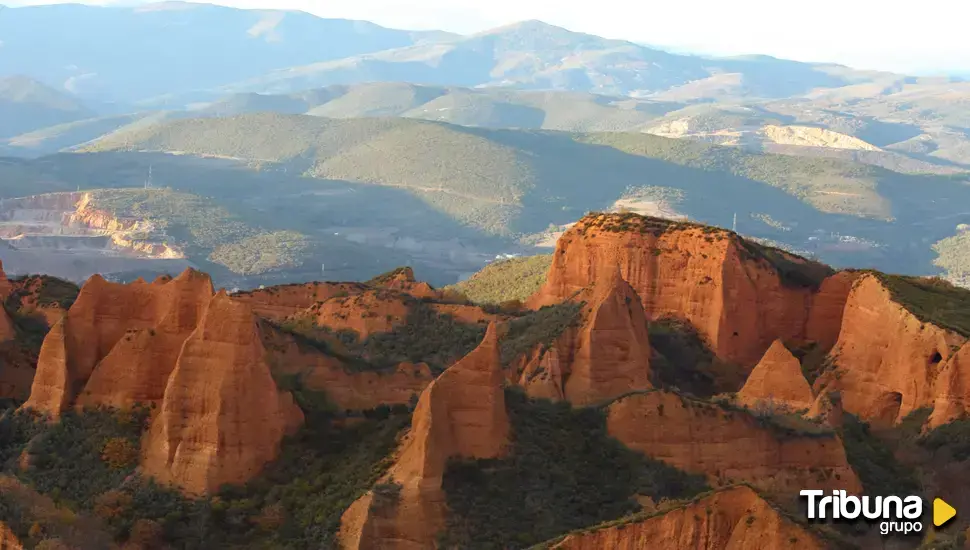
[5,287]
[461,414]
[137,368]
[402,279]
[222,417]
[708,276]
[777,381]
[346,388]
[99,318]
[365,313]
[612,354]
[889,362]
[8,330]
[731,519]
[606,355]
[729,446]
[114,326]
[279,302]
[952,389]
[542,374]
[8,540]
[828,305]
[827,409]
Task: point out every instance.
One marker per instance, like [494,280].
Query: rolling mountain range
[498,137]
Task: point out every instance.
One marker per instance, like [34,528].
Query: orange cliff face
[777,381]
[461,414]
[607,355]
[7,331]
[731,519]
[9,540]
[137,368]
[5,286]
[402,279]
[889,363]
[726,287]
[279,302]
[118,343]
[347,389]
[729,446]
[222,417]
[365,313]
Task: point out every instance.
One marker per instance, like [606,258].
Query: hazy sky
[920,36]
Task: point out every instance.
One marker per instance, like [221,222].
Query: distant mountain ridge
[182,48]
[536,55]
[131,53]
[26,105]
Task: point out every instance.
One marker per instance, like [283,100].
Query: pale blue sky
[915,36]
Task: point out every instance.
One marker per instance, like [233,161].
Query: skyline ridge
[936,53]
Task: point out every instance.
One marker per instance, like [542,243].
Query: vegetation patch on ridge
[506,280]
[682,360]
[564,472]
[426,336]
[952,436]
[873,461]
[540,327]
[931,300]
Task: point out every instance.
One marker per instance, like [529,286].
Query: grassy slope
[932,300]
[501,281]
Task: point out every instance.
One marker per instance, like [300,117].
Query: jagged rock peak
[777,382]
[222,417]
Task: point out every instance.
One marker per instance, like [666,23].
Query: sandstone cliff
[402,279]
[137,368]
[279,302]
[827,409]
[605,355]
[952,389]
[7,331]
[5,287]
[740,296]
[730,446]
[461,414]
[133,332]
[222,417]
[888,362]
[777,381]
[365,313]
[731,519]
[346,388]
[8,540]
[612,353]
